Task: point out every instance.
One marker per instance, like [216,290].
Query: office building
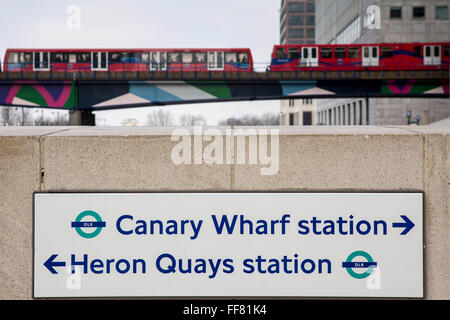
[297,26]
[353,21]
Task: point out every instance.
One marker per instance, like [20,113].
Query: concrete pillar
[81,118]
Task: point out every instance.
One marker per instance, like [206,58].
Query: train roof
[80,50]
[359,44]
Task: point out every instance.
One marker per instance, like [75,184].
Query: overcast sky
[250,24]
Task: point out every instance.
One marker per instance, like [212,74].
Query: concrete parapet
[353,158]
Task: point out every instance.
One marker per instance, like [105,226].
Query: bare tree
[61,119]
[9,116]
[160,118]
[270,119]
[191,120]
[26,117]
[266,119]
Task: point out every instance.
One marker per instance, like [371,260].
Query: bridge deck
[226,76]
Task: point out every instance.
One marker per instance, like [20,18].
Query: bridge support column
[81,118]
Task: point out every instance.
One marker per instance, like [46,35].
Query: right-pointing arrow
[407,224]
[50,263]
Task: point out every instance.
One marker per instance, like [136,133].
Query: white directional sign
[281,244]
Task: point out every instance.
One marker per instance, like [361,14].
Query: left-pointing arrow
[50,263]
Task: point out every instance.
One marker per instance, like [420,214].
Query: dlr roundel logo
[88,224]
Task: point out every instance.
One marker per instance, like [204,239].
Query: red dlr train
[357,57]
[323,57]
[144,60]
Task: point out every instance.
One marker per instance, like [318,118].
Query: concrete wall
[320,158]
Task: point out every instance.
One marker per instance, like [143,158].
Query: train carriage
[120,60]
[358,57]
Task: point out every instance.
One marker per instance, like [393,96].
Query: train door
[158,61]
[432,55]
[99,61]
[371,56]
[215,61]
[41,61]
[310,57]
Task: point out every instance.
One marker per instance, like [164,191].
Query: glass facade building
[297,21]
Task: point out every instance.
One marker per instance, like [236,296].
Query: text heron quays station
[271,243]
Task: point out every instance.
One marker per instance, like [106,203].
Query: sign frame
[294,191]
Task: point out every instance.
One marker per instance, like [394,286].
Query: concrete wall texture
[139,159]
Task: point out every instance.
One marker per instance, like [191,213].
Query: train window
[22,57]
[41,60]
[293,53]
[114,57]
[325,53]
[200,57]
[417,51]
[95,60]
[133,57]
[158,61]
[174,57]
[155,60]
[339,53]
[44,60]
[163,59]
[13,57]
[386,52]
[59,57]
[447,51]
[84,58]
[215,60]
[99,60]
[145,57]
[280,53]
[437,51]
[243,57]
[28,58]
[366,52]
[212,60]
[427,51]
[305,54]
[187,57]
[72,58]
[219,60]
[103,57]
[231,57]
[36,58]
[374,52]
[353,53]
